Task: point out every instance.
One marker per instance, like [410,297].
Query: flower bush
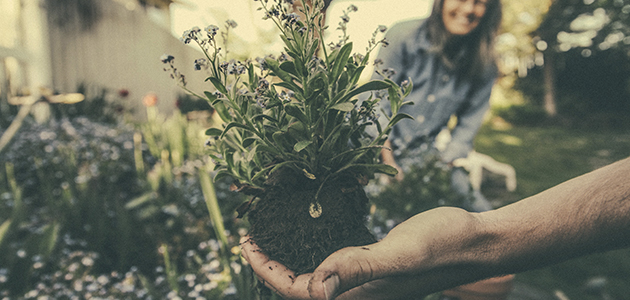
[426,185]
[298,110]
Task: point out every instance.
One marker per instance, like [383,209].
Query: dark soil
[283,228]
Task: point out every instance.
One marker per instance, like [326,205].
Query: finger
[343,270]
[349,287]
[274,274]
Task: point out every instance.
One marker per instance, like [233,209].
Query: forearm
[585,215]
[588,214]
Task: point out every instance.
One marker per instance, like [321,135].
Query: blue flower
[165,58]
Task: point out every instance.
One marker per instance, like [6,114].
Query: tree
[578,32]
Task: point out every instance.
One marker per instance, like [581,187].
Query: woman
[450,62]
[449,59]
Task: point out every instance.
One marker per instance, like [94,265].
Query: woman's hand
[388,158]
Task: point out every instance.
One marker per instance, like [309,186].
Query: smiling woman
[462,17]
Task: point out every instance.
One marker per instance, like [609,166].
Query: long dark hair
[478,44]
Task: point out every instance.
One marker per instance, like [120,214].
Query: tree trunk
[550,87]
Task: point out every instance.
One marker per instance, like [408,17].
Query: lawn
[544,157]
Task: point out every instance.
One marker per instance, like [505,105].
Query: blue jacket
[438,92]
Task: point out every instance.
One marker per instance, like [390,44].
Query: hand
[308,286]
[388,158]
[398,267]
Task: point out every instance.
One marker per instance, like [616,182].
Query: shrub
[111,209]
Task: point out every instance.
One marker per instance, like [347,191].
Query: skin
[460,17]
[447,247]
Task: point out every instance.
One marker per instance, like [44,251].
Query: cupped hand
[401,266]
[346,274]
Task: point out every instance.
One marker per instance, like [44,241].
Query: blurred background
[105,191]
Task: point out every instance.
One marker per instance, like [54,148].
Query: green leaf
[394,99]
[406,103]
[297,130]
[286,163]
[342,82]
[313,48]
[4,228]
[398,118]
[356,75]
[49,238]
[374,85]
[222,111]
[340,61]
[138,201]
[291,86]
[346,106]
[294,111]
[249,141]
[251,153]
[233,125]
[229,159]
[383,168]
[218,85]
[299,146]
[281,139]
[290,67]
[275,68]
[409,88]
[211,97]
[222,174]
[252,77]
[261,173]
[214,131]
[288,44]
[267,149]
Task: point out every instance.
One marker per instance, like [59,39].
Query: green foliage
[94,207]
[596,25]
[524,114]
[425,186]
[297,111]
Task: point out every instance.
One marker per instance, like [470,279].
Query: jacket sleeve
[469,121]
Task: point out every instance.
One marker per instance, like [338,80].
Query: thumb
[341,271]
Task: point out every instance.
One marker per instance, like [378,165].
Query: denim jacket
[438,92]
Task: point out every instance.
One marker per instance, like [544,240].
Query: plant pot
[497,288]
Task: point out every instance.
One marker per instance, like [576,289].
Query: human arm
[446,247]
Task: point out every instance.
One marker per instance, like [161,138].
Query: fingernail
[330,286]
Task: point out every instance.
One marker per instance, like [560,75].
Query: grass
[544,157]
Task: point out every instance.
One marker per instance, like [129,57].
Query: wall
[121,51]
